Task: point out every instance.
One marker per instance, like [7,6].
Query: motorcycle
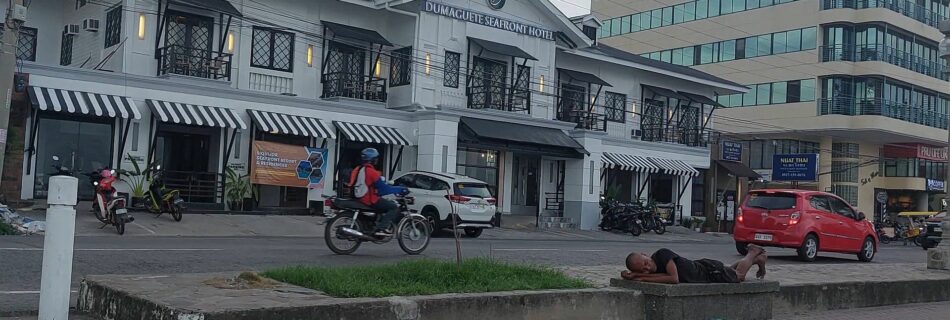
[650,220]
[108,207]
[159,200]
[355,222]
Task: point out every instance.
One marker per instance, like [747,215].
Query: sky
[573,8]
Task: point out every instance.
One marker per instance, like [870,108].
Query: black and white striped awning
[85,103]
[632,163]
[373,134]
[198,115]
[675,167]
[290,124]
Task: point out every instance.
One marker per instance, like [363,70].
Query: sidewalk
[794,274]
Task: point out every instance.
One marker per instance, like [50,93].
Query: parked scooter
[60,170]
[160,200]
[108,207]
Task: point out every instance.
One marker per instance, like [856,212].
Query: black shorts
[717,272]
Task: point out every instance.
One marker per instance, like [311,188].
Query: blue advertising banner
[731,151]
[795,167]
[935,185]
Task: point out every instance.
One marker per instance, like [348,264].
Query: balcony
[904,7]
[193,62]
[498,96]
[693,137]
[886,54]
[882,107]
[355,86]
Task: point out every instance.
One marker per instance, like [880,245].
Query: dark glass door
[185,160]
[488,84]
[189,39]
[81,146]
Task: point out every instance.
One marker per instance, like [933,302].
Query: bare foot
[756,250]
[760,261]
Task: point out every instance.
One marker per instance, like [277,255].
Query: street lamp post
[939,257]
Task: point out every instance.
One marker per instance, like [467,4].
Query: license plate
[763,237]
[179,201]
[478,206]
[938,229]
[121,211]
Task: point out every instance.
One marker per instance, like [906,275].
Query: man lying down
[665,266]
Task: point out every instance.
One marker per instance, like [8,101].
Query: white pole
[58,248]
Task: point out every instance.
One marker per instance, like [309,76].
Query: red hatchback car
[809,221]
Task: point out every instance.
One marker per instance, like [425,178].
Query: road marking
[29,292]
[143,227]
[588,250]
[550,249]
[113,249]
[527,249]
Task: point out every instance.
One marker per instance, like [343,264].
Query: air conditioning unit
[635,133]
[71,29]
[91,25]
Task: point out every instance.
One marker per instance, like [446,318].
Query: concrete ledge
[747,300]
[117,297]
[846,295]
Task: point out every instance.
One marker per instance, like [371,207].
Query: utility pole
[939,257]
[16,15]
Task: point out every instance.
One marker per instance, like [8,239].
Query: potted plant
[137,179]
[238,190]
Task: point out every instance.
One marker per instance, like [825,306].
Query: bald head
[640,263]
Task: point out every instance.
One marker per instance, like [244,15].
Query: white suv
[440,194]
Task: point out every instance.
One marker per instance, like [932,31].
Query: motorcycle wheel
[918,240]
[659,227]
[176,213]
[635,229]
[119,224]
[98,212]
[883,238]
[413,233]
[333,239]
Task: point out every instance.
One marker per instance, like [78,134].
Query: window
[751,4]
[399,70]
[635,24]
[66,50]
[764,44]
[772,201]
[809,38]
[751,47]
[625,24]
[844,171]
[451,69]
[615,27]
[850,195]
[714,8]
[820,203]
[763,93]
[779,43]
[26,44]
[667,16]
[656,18]
[135,135]
[726,6]
[793,40]
[689,12]
[272,49]
[748,98]
[794,91]
[779,92]
[706,54]
[407,181]
[679,13]
[702,9]
[80,4]
[727,50]
[808,90]
[614,107]
[113,33]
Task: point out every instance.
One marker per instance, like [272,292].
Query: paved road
[21,257]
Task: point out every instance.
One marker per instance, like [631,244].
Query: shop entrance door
[81,146]
[525,185]
[185,158]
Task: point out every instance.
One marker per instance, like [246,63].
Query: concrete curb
[849,295]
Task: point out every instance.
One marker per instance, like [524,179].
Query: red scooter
[108,207]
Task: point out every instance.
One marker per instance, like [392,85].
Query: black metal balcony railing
[498,97]
[201,63]
[886,54]
[356,86]
[907,8]
[882,107]
[693,137]
[586,120]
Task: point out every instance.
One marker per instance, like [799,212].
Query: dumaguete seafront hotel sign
[486,20]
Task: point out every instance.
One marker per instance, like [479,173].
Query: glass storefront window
[479,164]
[81,146]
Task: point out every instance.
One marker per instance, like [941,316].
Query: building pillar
[582,185]
[824,164]
[437,143]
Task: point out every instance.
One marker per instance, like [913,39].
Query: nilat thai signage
[486,20]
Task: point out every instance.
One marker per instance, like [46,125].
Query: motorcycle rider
[368,186]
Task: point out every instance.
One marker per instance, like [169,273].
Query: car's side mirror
[860,216]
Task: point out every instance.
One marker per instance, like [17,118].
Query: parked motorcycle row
[910,233]
[634,218]
[112,209]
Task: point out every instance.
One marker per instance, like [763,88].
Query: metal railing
[891,55]
[204,187]
[356,86]
[201,63]
[498,97]
[882,107]
[904,7]
[554,201]
[693,137]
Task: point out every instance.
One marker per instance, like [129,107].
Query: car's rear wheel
[809,249]
[742,248]
[473,232]
[867,250]
[432,216]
